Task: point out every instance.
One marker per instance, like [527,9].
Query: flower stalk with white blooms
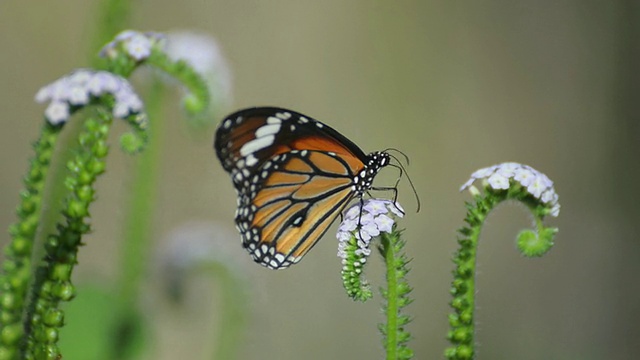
[507,181]
[362,224]
[31,316]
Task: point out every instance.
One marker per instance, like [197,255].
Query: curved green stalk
[531,243]
[17,274]
[52,283]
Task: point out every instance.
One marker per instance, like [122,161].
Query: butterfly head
[363,181]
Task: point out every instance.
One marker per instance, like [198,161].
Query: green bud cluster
[353,279]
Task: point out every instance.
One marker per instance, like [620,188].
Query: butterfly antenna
[404,171]
[406,158]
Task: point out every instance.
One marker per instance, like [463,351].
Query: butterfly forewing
[293,175]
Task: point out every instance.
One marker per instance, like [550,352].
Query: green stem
[391,296]
[138,230]
[396,296]
[53,276]
[16,276]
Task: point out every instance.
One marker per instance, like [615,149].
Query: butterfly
[293,176]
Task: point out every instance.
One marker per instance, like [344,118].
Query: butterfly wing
[293,176]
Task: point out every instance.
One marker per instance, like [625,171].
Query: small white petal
[375,207]
[467,184]
[555,210]
[343,236]
[395,208]
[508,169]
[348,224]
[366,218]
[524,176]
[498,182]
[80,77]
[57,112]
[384,223]
[547,196]
[138,47]
[482,173]
[120,110]
[44,94]
[126,34]
[537,187]
[353,212]
[371,228]
[78,95]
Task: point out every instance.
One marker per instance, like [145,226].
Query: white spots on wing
[251,160]
[273,120]
[256,144]
[303,120]
[267,130]
[319,124]
[284,115]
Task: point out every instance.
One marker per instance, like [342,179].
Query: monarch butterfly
[293,176]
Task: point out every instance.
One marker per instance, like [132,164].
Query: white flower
[78,95]
[482,173]
[57,112]
[138,47]
[524,177]
[548,196]
[498,181]
[364,222]
[80,77]
[508,169]
[384,223]
[77,88]
[395,208]
[537,187]
[376,207]
[498,177]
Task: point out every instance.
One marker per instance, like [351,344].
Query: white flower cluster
[78,88]
[136,44]
[366,222]
[536,183]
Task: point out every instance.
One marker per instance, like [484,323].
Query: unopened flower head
[135,44]
[363,222]
[80,87]
[502,176]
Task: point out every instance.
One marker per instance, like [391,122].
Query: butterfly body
[293,176]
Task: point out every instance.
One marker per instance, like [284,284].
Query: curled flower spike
[135,44]
[507,181]
[80,88]
[362,223]
[503,176]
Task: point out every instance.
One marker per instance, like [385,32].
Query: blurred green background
[456,86]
